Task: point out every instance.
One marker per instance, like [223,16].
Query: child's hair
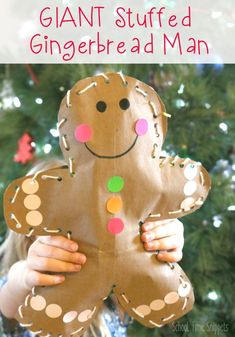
[15,248]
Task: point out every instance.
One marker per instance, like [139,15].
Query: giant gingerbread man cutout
[112,128]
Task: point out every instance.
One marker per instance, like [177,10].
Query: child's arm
[46,254]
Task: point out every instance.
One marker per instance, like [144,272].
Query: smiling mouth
[115,156]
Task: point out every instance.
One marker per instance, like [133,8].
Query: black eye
[124,104]
[101,106]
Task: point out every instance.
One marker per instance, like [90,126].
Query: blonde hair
[15,248]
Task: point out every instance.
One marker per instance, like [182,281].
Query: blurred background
[201,100]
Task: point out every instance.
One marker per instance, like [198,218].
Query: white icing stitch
[137,313]
[20,311]
[68,104]
[169,317]
[76,331]
[140,91]
[122,77]
[15,195]
[185,303]
[93,84]
[157,325]
[124,297]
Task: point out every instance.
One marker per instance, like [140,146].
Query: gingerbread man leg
[66,309]
[157,293]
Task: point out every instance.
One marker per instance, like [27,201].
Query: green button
[115,184]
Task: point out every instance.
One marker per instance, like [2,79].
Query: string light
[16,102]
[47,148]
[181,89]
[223,127]
[39,100]
[217,221]
[54,132]
[180,103]
[2,186]
[207,106]
[213,296]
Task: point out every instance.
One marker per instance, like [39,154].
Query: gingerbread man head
[107,115]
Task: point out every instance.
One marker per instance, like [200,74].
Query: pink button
[83,133]
[115,226]
[141,127]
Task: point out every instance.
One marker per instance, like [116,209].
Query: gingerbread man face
[107,116]
[111,131]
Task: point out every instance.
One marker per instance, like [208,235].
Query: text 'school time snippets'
[152,21]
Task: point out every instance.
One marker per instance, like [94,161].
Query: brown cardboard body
[153,292]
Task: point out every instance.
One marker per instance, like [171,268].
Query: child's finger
[59,241]
[170,256]
[47,264]
[170,242]
[57,253]
[147,226]
[34,278]
[168,229]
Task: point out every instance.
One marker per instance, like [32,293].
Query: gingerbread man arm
[29,202]
[184,188]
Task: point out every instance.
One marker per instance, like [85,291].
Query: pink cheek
[83,133]
[141,127]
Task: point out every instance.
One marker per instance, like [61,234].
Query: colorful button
[184,289]
[157,305]
[143,310]
[190,171]
[141,127]
[38,303]
[83,133]
[187,203]
[115,184]
[115,226]
[114,205]
[85,315]
[34,218]
[171,298]
[69,316]
[53,310]
[190,187]
[30,186]
[32,202]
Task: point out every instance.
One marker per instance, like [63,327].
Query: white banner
[125,31]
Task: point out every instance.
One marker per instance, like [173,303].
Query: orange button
[114,205]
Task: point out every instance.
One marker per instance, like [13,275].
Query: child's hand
[52,254]
[46,254]
[167,236]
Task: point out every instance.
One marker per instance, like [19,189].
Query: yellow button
[114,205]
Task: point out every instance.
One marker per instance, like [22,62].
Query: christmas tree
[201,100]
